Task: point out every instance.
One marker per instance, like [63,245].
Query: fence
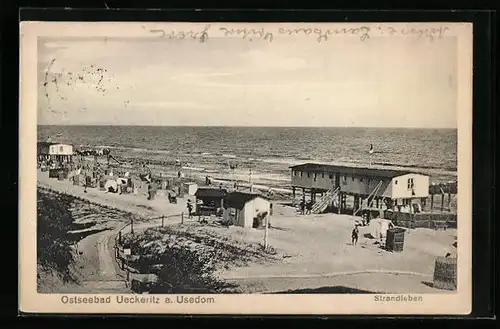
[424,220]
[125,257]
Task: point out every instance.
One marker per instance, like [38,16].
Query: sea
[268,152]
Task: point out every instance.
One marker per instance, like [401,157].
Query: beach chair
[172,198]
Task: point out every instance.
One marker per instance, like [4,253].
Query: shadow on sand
[428,284]
[327,290]
[278,228]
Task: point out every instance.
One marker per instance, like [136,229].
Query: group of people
[305,207]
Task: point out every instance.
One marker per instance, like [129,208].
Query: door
[337,180]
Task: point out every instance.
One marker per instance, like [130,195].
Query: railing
[325,200]
[375,190]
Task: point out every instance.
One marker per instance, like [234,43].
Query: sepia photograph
[208,167]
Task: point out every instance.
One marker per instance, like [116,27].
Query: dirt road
[97,264]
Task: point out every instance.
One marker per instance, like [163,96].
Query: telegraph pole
[371,152]
[250,180]
[266,232]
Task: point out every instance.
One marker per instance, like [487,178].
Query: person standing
[190,208]
[355,235]
[309,206]
[302,206]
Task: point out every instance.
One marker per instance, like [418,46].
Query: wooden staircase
[325,201]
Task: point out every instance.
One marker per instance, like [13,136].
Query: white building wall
[61,149]
[245,216]
[400,188]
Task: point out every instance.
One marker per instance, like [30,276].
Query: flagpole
[371,152]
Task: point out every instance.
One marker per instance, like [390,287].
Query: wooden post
[128,275]
[293,192]
[182,218]
[432,202]
[132,225]
[120,237]
[162,220]
[449,200]
[266,231]
[356,203]
[442,202]
[339,205]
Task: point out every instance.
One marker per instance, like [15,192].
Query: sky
[227,81]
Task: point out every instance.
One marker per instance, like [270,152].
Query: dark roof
[42,144]
[354,171]
[210,192]
[239,199]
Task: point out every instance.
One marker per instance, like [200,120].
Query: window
[396,182]
[331,176]
[308,175]
[410,183]
[61,149]
[301,174]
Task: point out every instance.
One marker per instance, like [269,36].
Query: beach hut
[190,188]
[246,207]
[208,200]
[111,186]
[379,227]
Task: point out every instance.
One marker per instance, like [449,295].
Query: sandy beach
[311,251]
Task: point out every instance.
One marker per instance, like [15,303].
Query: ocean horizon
[271,150]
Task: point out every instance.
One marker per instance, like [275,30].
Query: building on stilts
[349,190]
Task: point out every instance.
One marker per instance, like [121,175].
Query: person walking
[355,234]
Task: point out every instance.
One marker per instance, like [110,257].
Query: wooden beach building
[54,151]
[369,187]
[245,209]
[209,199]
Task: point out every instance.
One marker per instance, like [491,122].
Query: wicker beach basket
[445,273]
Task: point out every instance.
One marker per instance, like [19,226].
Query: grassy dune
[187,257]
[54,251]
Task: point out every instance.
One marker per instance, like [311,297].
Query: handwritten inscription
[180,35]
[249,34]
[362,32]
[322,34]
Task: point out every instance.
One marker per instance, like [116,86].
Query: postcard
[245,168]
